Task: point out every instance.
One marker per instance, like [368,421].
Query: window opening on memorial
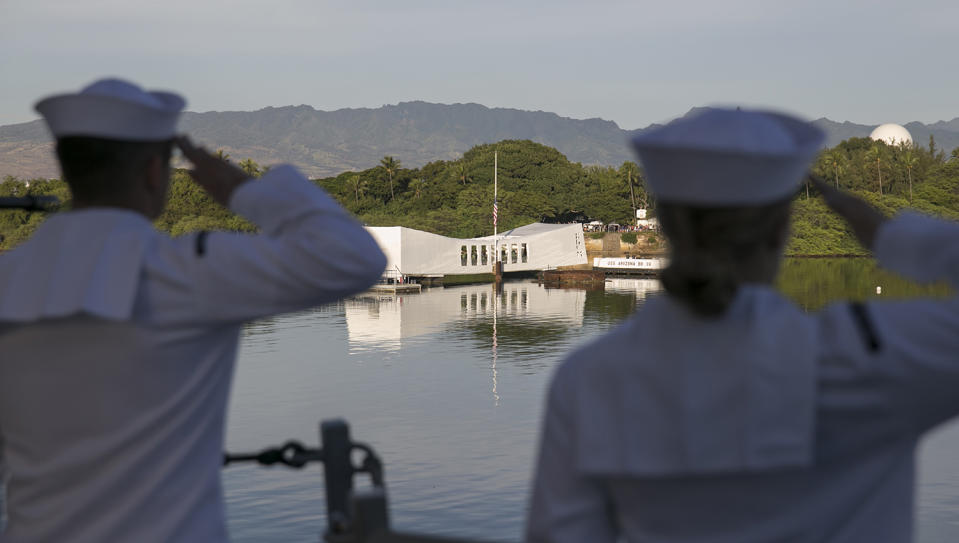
[513,253]
[523,254]
[463,255]
[502,257]
[473,256]
[483,256]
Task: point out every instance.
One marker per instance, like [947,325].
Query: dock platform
[397,288]
[583,278]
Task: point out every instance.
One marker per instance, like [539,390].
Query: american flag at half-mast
[494,212]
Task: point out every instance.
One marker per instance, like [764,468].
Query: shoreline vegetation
[539,184]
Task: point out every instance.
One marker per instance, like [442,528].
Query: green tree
[462,173]
[605,196]
[909,160]
[358,184]
[222,155]
[834,161]
[875,153]
[251,168]
[629,173]
[391,165]
[418,186]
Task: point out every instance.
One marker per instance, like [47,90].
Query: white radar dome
[893,134]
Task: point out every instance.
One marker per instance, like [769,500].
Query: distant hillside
[946,133]
[325,143]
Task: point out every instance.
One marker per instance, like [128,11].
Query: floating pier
[579,278]
[396,288]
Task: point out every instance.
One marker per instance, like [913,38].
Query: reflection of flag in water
[494,212]
[495,301]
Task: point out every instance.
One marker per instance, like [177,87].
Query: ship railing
[353,515]
[393,276]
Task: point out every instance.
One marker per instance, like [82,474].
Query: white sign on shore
[651,264]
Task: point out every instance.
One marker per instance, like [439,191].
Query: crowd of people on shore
[744,420]
[650,225]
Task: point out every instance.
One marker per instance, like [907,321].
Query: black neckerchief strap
[200,246]
[862,319]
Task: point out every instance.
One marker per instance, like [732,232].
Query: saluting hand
[218,177]
[864,219]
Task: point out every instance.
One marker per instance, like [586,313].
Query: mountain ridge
[324,143]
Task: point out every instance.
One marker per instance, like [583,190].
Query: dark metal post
[28,203]
[371,515]
[352,517]
[337,471]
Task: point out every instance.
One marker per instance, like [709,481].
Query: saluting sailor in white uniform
[117,343]
[720,412]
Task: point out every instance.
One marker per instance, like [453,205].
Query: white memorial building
[532,247]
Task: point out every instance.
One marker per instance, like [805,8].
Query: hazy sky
[633,62]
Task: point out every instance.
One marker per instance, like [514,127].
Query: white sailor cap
[113,109]
[723,157]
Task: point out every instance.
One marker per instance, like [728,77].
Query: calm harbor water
[447,386]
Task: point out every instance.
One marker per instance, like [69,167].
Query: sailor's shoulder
[205,246]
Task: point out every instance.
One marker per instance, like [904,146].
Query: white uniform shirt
[764,425]
[117,347]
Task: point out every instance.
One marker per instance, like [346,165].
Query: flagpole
[495,211]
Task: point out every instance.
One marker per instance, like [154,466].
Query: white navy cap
[724,157]
[113,109]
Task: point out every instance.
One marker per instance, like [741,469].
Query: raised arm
[911,347]
[309,251]
[919,247]
[864,219]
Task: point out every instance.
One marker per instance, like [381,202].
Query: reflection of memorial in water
[640,287]
[384,321]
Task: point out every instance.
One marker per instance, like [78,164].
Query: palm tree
[462,173]
[875,153]
[250,167]
[629,170]
[358,184]
[391,165]
[834,161]
[910,160]
[222,155]
[418,186]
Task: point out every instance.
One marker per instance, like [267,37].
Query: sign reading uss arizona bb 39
[651,264]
